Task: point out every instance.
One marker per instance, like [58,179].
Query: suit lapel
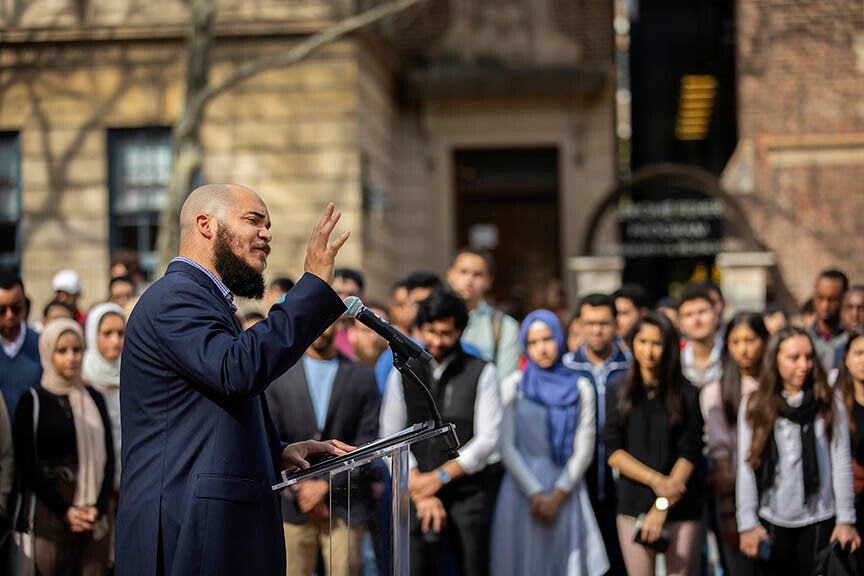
[340,384]
[305,412]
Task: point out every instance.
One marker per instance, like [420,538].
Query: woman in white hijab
[105,331]
[69,462]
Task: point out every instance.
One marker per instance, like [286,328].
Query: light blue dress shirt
[320,375]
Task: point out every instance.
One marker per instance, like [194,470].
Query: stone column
[594,274]
[744,279]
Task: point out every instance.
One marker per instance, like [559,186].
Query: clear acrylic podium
[372,482]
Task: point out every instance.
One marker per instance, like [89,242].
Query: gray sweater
[784,505]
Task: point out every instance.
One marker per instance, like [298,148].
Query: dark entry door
[507,202]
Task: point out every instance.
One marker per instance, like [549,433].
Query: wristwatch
[443,476]
[661,504]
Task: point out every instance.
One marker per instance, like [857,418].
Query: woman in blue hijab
[543,524]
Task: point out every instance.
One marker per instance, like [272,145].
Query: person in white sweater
[794,474]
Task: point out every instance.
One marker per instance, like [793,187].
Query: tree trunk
[188,153]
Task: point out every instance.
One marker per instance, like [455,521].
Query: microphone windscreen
[353,306]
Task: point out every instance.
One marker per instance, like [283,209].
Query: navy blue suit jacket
[200,451]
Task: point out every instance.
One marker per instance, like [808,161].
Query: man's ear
[205,225]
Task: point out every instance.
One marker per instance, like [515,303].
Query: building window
[10,201]
[139,170]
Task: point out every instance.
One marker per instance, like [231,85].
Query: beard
[323,342]
[237,275]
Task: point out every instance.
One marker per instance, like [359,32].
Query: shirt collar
[438,368]
[226,293]
[483,309]
[814,332]
[614,356]
[687,355]
[13,348]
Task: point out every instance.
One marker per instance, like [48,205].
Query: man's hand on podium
[295,455]
[431,513]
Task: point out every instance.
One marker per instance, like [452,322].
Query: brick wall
[801,105]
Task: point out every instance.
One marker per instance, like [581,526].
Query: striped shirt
[226,293]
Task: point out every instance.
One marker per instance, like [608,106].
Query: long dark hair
[767,402]
[844,379]
[672,382]
[730,382]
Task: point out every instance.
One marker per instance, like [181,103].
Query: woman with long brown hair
[794,478]
[653,436]
[851,382]
[744,344]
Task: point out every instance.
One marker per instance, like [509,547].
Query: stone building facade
[413,128]
[374,122]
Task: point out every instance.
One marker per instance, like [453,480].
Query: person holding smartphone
[653,436]
[794,475]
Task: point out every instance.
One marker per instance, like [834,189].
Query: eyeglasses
[14,308]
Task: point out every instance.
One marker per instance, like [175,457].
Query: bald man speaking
[199,448]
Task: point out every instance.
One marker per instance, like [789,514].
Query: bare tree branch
[304,49]
[188,153]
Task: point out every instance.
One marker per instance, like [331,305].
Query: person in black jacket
[326,395]
[654,438]
[69,463]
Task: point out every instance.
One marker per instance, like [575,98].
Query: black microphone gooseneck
[404,349]
[450,438]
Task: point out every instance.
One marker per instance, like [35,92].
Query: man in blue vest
[200,451]
[449,496]
[600,360]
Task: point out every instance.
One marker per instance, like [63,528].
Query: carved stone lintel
[506,31]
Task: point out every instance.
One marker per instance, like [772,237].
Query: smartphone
[659,545]
[764,549]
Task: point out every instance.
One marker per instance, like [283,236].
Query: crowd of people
[593,439]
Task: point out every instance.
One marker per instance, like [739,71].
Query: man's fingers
[325,217]
[330,224]
[342,445]
[424,522]
[438,522]
[320,226]
[340,241]
[300,463]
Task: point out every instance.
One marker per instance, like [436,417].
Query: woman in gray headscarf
[105,331]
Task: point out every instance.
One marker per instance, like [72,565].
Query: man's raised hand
[320,252]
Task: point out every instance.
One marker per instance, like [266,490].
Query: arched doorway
[674,219]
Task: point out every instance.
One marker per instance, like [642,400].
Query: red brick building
[798,168]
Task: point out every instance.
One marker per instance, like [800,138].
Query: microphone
[400,343]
